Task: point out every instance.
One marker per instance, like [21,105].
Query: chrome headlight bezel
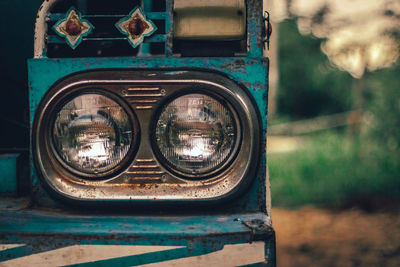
[144,176]
[47,153]
[225,100]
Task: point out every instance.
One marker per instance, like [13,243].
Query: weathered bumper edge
[46,230]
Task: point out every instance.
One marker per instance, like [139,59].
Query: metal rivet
[73,27]
[136,27]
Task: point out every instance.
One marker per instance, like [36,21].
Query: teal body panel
[251,72]
[242,220]
[196,235]
[248,71]
[8,174]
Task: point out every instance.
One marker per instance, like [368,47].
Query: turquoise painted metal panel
[145,229]
[196,234]
[8,174]
[197,231]
[248,71]
[251,72]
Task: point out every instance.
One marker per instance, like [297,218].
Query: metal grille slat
[150,15]
[144,97]
[145,170]
[105,40]
[54,39]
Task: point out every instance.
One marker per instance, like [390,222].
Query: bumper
[46,230]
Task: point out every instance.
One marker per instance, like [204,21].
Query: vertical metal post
[144,49]
[254,28]
[270,251]
[169,11]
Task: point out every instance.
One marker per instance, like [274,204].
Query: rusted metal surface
[256,196]
[44,230]
[200,230]
[45,17]
[130,183]
[41,28]
[209,19]
[136,26]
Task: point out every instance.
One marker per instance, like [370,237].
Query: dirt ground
[316,237]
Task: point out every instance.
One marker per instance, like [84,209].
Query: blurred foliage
[382,103]
[333,169]
[334,166]
[309,85]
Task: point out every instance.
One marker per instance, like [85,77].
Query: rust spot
[240,62]
[260,42]
[136,27]
[73,27]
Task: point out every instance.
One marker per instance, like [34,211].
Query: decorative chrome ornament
[135,26]
[73,28]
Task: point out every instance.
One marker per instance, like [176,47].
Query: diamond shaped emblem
[73,28]
[135,26]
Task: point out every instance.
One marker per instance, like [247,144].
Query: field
[332,169]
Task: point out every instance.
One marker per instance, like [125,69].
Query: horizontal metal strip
[145,172]
[142,172]
[143,95]
[150,15]
[145,160]
[144,179]
[144,89]
[158,38]
[144,107]
[142,101]
[145,166]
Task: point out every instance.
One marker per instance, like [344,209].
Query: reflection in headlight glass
[195,133]
[92,133]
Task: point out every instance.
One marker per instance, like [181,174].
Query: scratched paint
[243,220]
[237,69]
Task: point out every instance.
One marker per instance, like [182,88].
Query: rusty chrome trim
[160,183]
[144,89]
[47,120]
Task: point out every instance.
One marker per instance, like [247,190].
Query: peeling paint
[243,220]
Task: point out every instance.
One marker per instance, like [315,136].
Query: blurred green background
[355,164]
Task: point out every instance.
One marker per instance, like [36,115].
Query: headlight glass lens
[195,133]
[92,133]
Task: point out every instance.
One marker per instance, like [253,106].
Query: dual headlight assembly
[146,136]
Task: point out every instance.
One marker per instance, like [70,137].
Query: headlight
[92,133]
[146,135]
[195,133]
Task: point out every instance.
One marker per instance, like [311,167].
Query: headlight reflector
[92,133]
[196,133]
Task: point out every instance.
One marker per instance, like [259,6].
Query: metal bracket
[267,31]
